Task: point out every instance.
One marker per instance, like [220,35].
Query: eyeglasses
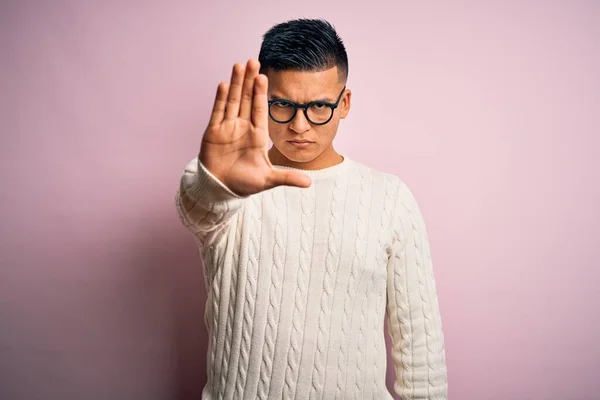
[283,111]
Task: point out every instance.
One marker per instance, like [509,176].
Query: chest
[328,228]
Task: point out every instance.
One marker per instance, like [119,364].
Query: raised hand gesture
[234,145]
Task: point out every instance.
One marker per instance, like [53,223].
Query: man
[305,250]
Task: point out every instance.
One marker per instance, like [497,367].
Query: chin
[299,156]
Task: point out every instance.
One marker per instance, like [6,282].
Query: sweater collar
[322,173]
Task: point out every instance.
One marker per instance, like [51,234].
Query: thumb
[287,178]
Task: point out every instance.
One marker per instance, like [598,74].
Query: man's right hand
[234,145]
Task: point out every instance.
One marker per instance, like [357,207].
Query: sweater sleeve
[414,320]
[204,204]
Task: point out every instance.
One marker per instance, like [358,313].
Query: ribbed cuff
[201,184]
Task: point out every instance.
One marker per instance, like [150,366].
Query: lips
[300,144]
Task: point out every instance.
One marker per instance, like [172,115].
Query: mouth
[300,143]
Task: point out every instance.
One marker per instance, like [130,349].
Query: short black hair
[303,45]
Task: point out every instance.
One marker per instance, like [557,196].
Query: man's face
[305,87]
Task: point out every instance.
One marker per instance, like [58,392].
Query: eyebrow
[322,98]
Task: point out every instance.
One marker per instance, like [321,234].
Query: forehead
[303,86]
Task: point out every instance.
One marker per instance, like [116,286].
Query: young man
[306,251]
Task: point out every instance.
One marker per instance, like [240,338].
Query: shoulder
[403,201]
[392,182]
[371,173]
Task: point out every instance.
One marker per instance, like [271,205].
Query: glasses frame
[305,108]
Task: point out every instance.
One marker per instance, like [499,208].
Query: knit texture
[300,281]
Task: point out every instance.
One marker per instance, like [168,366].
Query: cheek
[275,130]
[329,133]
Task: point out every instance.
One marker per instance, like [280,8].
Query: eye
[282,104]
[319,106]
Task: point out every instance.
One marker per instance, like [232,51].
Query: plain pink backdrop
[490,111]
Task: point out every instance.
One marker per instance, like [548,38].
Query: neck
[327,159]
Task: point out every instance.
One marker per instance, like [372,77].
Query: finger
[235,92]
[260,103]
[280,177]
[252,68]
[218,112]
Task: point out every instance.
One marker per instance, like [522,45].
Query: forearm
[204,204]
[418,343]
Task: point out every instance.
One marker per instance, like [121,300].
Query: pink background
[490,111]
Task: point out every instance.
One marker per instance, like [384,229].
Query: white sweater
[299,282]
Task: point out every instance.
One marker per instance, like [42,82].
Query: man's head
[306,62]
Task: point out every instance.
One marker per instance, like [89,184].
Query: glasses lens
[281,111]
[319,113]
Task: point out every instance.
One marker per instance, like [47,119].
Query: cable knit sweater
[299,282]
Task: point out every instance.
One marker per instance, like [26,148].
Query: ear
[345,103]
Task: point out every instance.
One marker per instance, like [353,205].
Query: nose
[300,124]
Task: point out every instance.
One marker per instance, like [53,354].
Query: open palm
[234,145]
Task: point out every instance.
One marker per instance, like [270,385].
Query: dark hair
[303,45]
